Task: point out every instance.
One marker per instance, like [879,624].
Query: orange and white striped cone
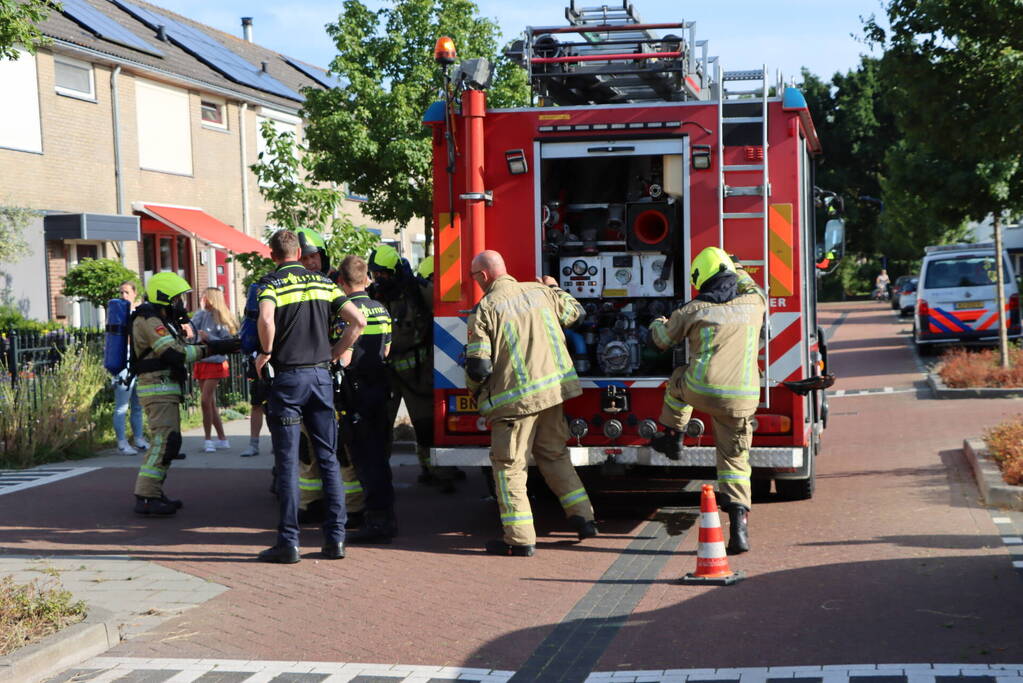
[711,558]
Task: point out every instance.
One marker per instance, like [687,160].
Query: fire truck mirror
[834,235]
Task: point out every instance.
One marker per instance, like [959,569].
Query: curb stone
[940,390]
[993,488]
[65,648]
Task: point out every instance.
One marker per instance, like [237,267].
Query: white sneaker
[125,448]
[141,443]
[208,447]
[250,452]
[223,443]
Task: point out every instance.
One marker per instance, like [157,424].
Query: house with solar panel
[132,133]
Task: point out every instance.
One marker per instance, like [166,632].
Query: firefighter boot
[171,501]
[154,507]
[377,527]
[669,442]
[586,528]
[738,533]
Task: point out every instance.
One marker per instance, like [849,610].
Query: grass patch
[30,612]
[964,368]
[1005,442]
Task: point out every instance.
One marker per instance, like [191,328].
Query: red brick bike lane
[432,597]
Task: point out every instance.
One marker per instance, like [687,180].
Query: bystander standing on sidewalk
[213,322]
[126,397]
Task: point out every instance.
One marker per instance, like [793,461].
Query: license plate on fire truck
[462,404]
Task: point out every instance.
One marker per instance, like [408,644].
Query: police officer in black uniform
[365,392]
[295,310]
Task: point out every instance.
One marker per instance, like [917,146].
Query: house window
[19,117]
[283,124]
[74,78]
[213,114]
[164,128]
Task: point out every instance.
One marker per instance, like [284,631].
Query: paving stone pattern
[141,670]
[140,594]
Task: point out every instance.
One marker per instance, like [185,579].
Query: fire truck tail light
[772,424]
[444,51]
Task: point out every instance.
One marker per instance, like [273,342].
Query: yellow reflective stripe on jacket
[561,359]
[172,389]
[749,360]
[353,486]
[506,397]
[306,292]
[480,349]
[571,309]
[513,343]
[161,342]
[749,391]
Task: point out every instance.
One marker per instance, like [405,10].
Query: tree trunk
[428,234]
[1003,332]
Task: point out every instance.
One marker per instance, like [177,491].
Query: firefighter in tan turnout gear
[160,357]
[722,325]
[519,369]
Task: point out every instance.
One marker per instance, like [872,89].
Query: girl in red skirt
[214,321]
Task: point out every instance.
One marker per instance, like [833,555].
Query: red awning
[199,225]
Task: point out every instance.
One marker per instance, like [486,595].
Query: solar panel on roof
[93,20]
[327,80]
[210,51]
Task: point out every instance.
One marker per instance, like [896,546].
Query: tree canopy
[19,21]
[368,133]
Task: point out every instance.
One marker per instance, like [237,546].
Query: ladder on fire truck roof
[744,107]
[619,59]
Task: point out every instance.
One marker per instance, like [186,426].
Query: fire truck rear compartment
[612,239]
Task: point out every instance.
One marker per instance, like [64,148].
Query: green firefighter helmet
[709,263]
[425,267]
[162,287]
[310,240]
[384,257]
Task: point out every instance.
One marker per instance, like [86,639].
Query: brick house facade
[120,129]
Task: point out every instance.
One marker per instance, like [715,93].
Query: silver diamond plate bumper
[701,456]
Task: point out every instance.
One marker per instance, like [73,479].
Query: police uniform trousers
[310,484]
[543,434]
[368,435]
[304,396]
[733,437]
[164,419]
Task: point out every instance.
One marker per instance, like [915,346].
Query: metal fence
[26,355]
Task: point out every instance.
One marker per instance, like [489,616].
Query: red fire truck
[638,151]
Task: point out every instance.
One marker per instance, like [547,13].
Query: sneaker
[223,444]
[208,446]
[125,448]
[141,443]
[250,452]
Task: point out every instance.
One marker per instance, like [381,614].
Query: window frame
[221,106]
[75,64]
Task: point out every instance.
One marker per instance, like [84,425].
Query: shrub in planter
[44,415]
[1005,442]
[962,368]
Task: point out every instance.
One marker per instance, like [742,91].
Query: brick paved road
[893,561]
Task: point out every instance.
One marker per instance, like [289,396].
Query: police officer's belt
[281,367]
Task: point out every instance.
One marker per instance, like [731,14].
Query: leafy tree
[98,280]
[957,67]
[13,221]
[283,170]
[368,133]
[19,26]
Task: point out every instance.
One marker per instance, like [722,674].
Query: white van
[957,297]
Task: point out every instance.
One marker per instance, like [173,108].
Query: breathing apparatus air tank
[115,345]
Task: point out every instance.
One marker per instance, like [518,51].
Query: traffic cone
[711,559]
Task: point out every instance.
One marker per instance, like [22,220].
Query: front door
[221,271]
